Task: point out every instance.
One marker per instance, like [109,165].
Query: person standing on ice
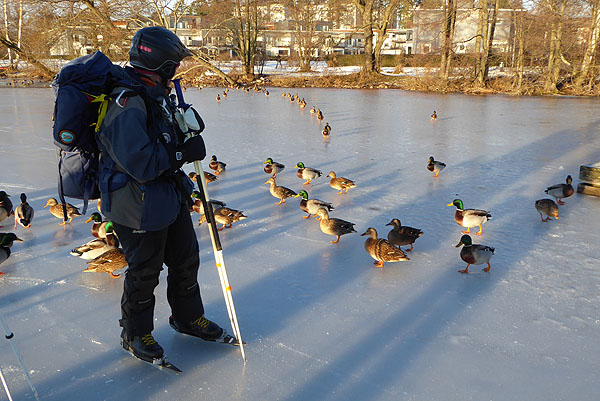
[145,194]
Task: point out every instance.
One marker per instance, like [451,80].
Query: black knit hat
[157,49]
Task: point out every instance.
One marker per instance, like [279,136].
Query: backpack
[82,89]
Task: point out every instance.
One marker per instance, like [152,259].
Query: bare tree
[555,58]
[365,8]
[386,10]
[591,45]
[449,21]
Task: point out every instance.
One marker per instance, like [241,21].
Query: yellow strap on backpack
[102,109]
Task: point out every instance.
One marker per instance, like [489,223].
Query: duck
[224,216]
[215,165]
[266,93]
[307,173]
[279,192]
[208,177]
[311,206]
[56,209]
[435,166]
[98,246]
[325,133]
[327,127]
[313,110]
[469,217]
[273,167]
[560,191]
[224,94]
[99,227]
[319,115]
[334,226]
[433,116]
[109,262]
[341,183]
[6,206]
[218,98]
[381,249]
[474,254]
[6,241]
[24,213]
[198,207]
[402,235]
[546,207]
[282,94]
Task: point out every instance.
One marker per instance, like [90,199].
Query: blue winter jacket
[138,140]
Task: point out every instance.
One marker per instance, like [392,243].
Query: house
[427,30]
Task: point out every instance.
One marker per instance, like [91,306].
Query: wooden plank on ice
[590,173]
[588,189]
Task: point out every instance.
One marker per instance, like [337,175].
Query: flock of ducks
[104,254]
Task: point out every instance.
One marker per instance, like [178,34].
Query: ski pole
[5,385]
[212,228]
[9,336]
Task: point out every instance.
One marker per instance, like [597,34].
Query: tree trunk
[10,59]
[382,28]
[479,38]
[448,38]
[554,58]
[520,36]
[483,53]
[592,44]
[369,60]
[486,67]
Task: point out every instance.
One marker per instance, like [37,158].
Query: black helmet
[157,49]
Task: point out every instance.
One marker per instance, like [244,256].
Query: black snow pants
[146,251]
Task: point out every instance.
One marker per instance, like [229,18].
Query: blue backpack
[82,89]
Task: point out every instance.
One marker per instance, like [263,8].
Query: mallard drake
[279,192]
[435,166]
[215,165]
[24,213]
[99,227]
[381,249]
[56,209]
[474,254]
[307,173]
[469,217]
[273,167]
[109,262]
[98,246]
[340,183]
[433,116]
[311,206]
[6,241]
[402,235]
[6,206]
[198,207]
[560,191]
[334,226]
[225,216]
[546,207]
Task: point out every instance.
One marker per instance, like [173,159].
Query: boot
[201,327]
[142,347]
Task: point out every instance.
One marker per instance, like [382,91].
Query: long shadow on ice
[375,363]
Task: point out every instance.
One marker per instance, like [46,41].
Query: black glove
[193,149]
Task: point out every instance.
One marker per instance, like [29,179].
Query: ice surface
[321,323]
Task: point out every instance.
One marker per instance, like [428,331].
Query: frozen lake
[321,323]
